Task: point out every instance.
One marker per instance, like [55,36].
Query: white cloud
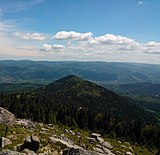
[19,6]
[111,39]
[141,3]
[153,44]
[72,35]
[152,48]
[48,47]
[58,46]
[7,26]
[108,47]
[30,36]
[10,49]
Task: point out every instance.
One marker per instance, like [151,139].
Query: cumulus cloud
[108,47]
[72,35]
[48,47]
[153,44]
[58,46]
[111,39]
[30,36]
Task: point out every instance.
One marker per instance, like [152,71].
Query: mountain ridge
[102,72]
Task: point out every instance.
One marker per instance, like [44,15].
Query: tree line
[39,107]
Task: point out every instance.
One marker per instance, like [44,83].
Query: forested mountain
[99,72]
[17,87]
[80,93]
[79,103]
[141,89]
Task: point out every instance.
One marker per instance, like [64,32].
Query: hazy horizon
[83,61]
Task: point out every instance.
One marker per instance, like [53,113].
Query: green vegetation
[74,102]
[138,89]
[17,134]
[17,87]
[147,95]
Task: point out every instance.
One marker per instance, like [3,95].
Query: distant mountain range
[100,72]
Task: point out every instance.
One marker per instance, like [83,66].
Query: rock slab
[6,117]
[4,142]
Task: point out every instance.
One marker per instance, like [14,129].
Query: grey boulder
[4,142]
[6,117]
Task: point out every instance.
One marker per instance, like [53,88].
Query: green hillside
[143,89]
[85,94]
[75,102]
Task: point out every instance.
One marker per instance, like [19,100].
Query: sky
[80,30]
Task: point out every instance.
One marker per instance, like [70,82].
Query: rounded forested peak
[72,77]
[63,84]
[73,84]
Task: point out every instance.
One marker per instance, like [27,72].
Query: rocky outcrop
[27,152]
[64,141]
[129,153]
[57,140]
[6,117]
[9,152]
[102,147]
[107,145]
[73,151]
[25,123]
[97,137]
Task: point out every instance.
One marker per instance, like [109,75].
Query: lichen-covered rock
[17,147]
[9,152]
[68,144]
[100,139]
[107,145]
[73,151]
[4,142]
[129,153]
[107,151]
[6,117]
[29,152]
[25,123]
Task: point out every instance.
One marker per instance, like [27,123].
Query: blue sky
[84,30]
